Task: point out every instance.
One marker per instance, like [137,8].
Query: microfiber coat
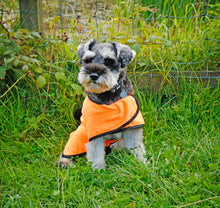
[99,120]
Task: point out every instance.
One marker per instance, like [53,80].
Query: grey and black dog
[103,75]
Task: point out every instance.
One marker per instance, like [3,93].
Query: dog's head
[102,64]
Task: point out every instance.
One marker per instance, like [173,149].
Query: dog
[110,113]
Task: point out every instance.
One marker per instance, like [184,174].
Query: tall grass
[178,35]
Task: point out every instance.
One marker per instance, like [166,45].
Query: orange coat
[99,120]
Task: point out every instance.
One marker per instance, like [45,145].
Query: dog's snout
[94,76]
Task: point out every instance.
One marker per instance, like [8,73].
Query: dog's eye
[88,61]
[109,61]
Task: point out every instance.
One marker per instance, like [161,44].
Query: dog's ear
[81,49]
[124,54]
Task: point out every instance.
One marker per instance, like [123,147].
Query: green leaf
[47,76]
[56,192]
[4,39]
[54,66]
[29,36]
[193,198]
[25,68]
[213,166]
[16,62]
[37,69]
[35,61]
[137,48]
[26,58]
[35,34]
[77,88]
[41,81]
[35,121]
[60,76]
[2,72]
[10,60]
[19,35]
[10,51]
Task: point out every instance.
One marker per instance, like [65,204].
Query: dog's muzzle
[95,71]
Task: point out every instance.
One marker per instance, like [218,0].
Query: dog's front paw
[98,166]
[64,162]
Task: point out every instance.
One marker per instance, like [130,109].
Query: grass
[181,138]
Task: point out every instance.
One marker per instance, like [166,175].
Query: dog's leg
[118,145]
[96,153]
[64,162]
[134,141]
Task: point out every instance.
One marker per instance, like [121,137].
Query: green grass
[182,142]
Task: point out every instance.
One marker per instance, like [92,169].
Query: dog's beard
[105,82]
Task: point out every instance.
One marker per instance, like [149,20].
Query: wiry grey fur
[103,74]
[108,61]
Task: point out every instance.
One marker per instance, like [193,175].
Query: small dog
[109,105]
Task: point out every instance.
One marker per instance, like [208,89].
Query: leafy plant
[27,55]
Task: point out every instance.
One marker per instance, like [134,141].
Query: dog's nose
[94,76]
